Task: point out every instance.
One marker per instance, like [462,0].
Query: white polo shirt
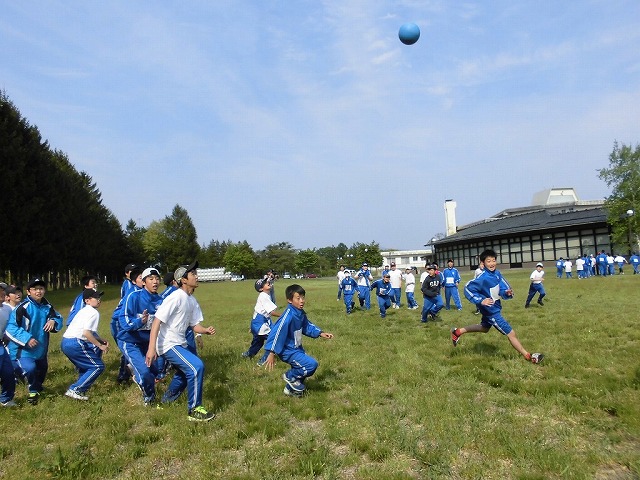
[176,313]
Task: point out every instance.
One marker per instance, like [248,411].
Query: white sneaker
[78,396]
[9,403]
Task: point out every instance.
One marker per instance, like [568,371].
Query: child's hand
[487,301]
[326,335]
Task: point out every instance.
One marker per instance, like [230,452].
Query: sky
[309,122]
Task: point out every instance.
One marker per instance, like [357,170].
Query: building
[557,224]
[406,258]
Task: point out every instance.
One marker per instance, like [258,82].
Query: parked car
[237,278]
[286,275]
[311,275]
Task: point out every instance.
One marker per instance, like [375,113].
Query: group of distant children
[157,331]
[602,263]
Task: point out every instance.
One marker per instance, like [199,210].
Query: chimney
[450,216]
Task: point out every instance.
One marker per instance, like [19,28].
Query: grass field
[392,398]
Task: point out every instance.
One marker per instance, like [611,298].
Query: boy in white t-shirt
[179,311]
[409,289]
[83,346]
[261,321]
[537,277]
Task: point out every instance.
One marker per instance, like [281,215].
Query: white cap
[150,271]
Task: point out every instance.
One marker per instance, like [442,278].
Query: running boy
[83,346]
[261,321]
[29,327]
[285,341]
[349,288]
[179,311]
[431,294]
[364,282]
[486,291]
[384,291]
[537,277]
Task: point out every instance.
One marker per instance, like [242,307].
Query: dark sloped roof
[538,221]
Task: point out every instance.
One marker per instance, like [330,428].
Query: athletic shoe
[536,357]
[540,303]
[454,338]
[290,393]
[526,305]
[246,355]
[9,403]
[200,414]
[477,312]
[170,396]
[295,385]
[33,398]
[77,395]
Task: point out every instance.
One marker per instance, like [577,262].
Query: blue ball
[409,33]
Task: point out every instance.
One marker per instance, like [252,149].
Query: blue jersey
[78,304]
[450,277]
[27,321]
[383,289]
[168,291]
[634,260]
[130,325]
[488,285]
[285,337]
[127,287]
[349,286]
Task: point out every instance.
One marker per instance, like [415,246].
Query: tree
[213,254]
[306,261]
[369,253]
[623,205]
[240,259]
[280,257]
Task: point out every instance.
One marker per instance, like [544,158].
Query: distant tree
[213,254]
[240,259]
[623,205]
[280,257]
[171,241]
[306,261]
[134,236]
[369,253]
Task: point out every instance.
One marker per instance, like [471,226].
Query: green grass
[392,398]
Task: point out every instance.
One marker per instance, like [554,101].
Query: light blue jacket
[27,321]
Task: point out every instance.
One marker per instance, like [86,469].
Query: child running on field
[285,341]
[486,291]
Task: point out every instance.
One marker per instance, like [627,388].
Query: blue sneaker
[295,385]
[290,393]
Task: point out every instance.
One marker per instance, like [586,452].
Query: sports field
[392,398]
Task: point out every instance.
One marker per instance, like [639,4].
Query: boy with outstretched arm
[486,291]
[285,341]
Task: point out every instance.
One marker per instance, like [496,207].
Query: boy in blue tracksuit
[285,341]
[7,377]
[29,327]
[348,287]
[601,262]
[485,291]
[88,281]
[451,279]
[559,267]
[134,329]
[364,283]
[384,291]
[131,283]
[634,260]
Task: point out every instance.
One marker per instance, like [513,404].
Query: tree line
[54,224]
